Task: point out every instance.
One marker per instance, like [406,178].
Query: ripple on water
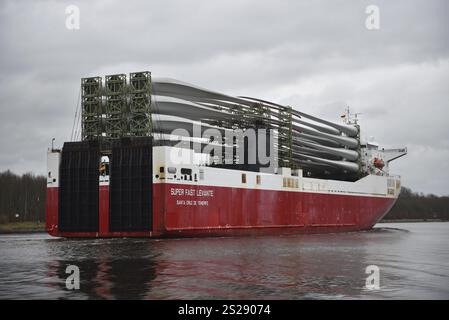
[412,259]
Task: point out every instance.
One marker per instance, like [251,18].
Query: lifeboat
[379,163]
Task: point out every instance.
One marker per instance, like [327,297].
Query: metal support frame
[140,102]
[91,102]
[116,107]
[119,109]
[285,138]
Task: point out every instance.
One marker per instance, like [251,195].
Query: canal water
[412,260]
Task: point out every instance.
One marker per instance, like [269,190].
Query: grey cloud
[317,56]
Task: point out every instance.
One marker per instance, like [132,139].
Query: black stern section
[78,189]
[131,182]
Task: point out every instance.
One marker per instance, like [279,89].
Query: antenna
[355,117]
[350,118]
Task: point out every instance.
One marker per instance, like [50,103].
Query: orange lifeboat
[379,163]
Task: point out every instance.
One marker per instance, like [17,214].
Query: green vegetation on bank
[27,226]
[418,206]
[22,197]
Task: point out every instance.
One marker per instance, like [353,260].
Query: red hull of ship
[238,211]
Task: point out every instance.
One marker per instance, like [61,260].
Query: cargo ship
[164,158]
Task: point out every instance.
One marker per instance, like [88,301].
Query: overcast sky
[317,56]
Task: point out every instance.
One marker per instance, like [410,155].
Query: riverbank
[27,227]
[411,220]
[22,227]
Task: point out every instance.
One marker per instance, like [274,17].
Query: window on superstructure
[161,170]
[243,177]
[171,170]
[186,171]
[201,174]
[284,182]
[258,179]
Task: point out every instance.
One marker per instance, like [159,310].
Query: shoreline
[411,220]
[22,227]
[20,231]
[31,227]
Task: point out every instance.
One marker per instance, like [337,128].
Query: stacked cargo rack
[141,106]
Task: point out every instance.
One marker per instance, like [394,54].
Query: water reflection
[412,265]
[108,268]
[310,266]
[109,279]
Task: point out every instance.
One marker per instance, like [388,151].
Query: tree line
[22,198]
[413,205]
